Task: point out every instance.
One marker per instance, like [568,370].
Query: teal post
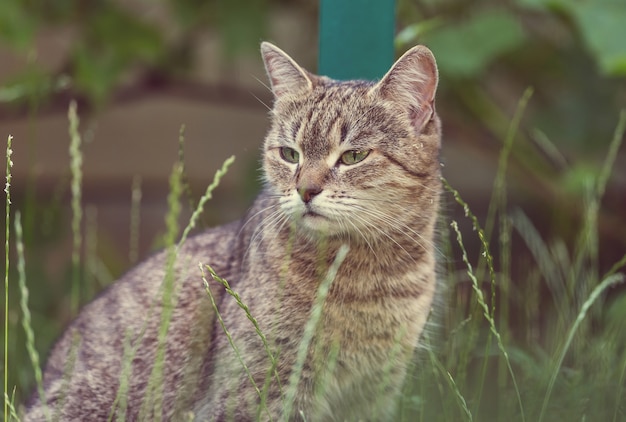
[356,38]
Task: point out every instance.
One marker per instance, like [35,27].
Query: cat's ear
[411,83]
[285,75]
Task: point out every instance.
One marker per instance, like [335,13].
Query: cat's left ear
[285,75]
[411,83]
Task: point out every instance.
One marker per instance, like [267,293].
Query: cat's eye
[290,155]
[353,156]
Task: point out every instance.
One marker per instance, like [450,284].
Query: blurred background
[140,69]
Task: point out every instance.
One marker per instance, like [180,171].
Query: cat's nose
[307,193]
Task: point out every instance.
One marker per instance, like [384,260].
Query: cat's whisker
[395,203]
[266,86]
[250,218]
[261,101]
[397,225]
[385,234]
[265,225]
[356,228]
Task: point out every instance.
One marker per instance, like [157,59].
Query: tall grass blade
[152,407]
[208,194]
[542,256]
[487,314]
[181,159]
[135,217]
[68,370]
[606,283]
[26,317]
[12,411]
[7,232]
[309,330]
[452,384]
[91,251]
[609,161]
[619,264]
[499,184]
[119,407]
[229,337]
[488,259]
[586,254]
[76,162]
[251,318]
[120,403]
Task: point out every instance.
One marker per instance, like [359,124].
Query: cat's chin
[317,225]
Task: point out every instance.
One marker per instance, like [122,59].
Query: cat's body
[346,163]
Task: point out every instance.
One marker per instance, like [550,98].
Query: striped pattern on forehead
[333,113]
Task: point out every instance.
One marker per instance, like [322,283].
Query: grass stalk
[68,370]
[487,314]
[76,162]
[488,259]
[229,337]
[497,206]
[208,194]
[154,397]
[26,316]
[587,246]
[154,391]
[309,330]
[181,159]
[135,216]
[12,411]
[498,196]
[7,232]
[439,367]
[251,318]
[595,294]
[619,264]
[120,403]
[91,251]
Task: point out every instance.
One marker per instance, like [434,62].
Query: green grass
[7,190]
[546,343]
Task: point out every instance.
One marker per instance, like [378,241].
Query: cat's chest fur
[360,346]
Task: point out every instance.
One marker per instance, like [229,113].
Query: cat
[348,166]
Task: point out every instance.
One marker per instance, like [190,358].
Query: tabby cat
[352,163]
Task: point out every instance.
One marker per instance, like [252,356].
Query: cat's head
[354,157]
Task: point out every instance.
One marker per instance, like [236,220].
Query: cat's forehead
[332,113]
[342,96]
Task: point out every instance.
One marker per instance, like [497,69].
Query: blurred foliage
[113,38]
[571,52]
[601,25]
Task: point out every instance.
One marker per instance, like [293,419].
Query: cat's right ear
[285,75]
[411,83]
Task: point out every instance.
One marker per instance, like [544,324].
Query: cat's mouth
[309,213]
[315,221]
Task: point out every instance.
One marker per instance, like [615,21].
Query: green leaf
[16,25]
[241,24]
[95,73]
[465,50]
[114,41]
[124,36]
[603,26]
